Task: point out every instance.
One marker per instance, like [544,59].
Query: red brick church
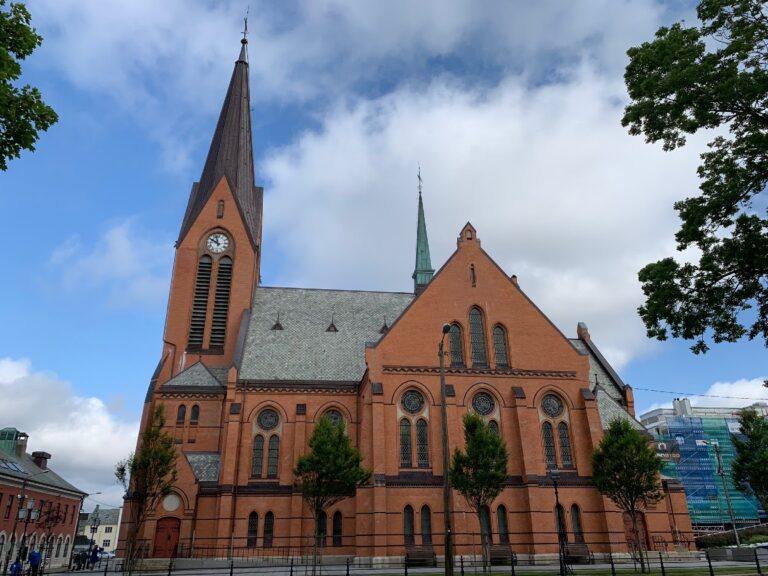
[247,370]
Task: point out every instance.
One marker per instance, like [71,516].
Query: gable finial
[245,26]
[419,177]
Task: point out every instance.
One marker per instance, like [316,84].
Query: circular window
[268,419]
[334,416]
[483,403]
[171,502]
[552,405]
[413,401]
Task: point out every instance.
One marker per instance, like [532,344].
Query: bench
[577,552]
[420,556]
[502,555]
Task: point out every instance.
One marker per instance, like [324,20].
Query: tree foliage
[148,475]
[750,467]
[22,111]
[331,471]
[480,472]
[689,79]
[625,468]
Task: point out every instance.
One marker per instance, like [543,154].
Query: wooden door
[167,537]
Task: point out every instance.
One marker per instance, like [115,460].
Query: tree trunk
[636,537]
[315,542]
[484,540]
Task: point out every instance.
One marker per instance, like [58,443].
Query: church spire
[231,155]
[423,272]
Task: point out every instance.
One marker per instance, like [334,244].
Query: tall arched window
[422,443]
[549,445]
[253,529]
[501,520]
[194,414]
[408,526]
[269,529]
[200,302]
[181,414]
[477,338]
[322,529]
[337,528]
[59,542]
[405,444]
[560,523]
[500,346]
[565,445]
[457,346]
[221,303]
[257,462]
[578,531]
[426,526]
[493,426]
[272,457]
[66,547]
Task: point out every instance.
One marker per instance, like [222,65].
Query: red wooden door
[167,537]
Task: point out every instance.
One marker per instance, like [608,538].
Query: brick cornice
[504,373]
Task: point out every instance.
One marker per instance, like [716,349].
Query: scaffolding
[687,448]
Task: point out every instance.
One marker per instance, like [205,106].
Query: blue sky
[511,110]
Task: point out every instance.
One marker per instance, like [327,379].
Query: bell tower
[216,266]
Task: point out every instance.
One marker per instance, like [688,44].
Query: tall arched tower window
[500,346]
[554,430]
[422,443]
[221,303]
[272,459]
[200,303]
[457,346]
[408,526]
[426,525]
[269,529]
[549,445]
[253,529]
[405,444]
[257,461]
[337,528]
[501,517]
[181,414]
[565,445]
[194,415]
[477,338]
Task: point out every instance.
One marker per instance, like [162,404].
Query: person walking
[34,562]
[94,556]
[16,568]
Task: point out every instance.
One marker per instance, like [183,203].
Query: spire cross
[245,24]
[419,177]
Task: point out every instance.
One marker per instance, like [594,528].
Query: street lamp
[21,496]
[94,526]
[446,475]
[554,474]
[721,473]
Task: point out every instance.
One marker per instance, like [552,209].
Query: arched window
[485,523]
[549,445]
[408,526]
[560,523]
[405,444]
[322,529]
[422,443]
[253,529]
[181,414]
[257,461]
[66,547]
[194,415]
[272,456]
[501,520]
[456,343]
[477,338]
[426,526]
[578,531]
[2,542]
[493,427]
[337,528]
[221,303]
[269,529]
[500,346]
[565,445]
[200,302]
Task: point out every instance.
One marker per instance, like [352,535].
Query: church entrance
[167,537]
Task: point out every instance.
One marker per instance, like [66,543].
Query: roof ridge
[333,290]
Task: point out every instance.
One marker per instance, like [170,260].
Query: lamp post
[446,463]
[21,496]
[721,473]
[554,474]
[95,522]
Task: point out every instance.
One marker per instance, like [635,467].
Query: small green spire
[423,271]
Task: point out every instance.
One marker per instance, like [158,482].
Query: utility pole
[721,473]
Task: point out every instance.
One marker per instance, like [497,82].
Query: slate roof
[106,516]
[205,465]
[304,350]
[231,156]
[196,376]
[611,410]
[51,479]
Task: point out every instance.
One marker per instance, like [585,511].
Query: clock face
[217,243]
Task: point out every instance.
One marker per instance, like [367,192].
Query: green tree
[22,111]
[480,473]
[713,76]
[330,472]
[750,466]
[147,475]
[625,468]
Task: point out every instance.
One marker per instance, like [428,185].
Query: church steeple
[231,157]
[423,271]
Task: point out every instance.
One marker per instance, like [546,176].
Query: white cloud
[130,264]
[84,439]
[559,193]
[739,393]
